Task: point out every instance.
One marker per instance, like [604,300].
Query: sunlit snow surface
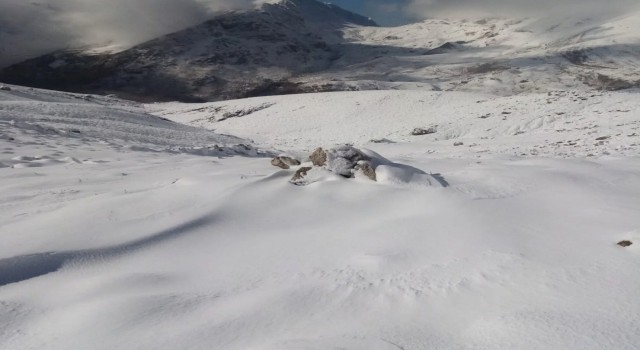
[122,230]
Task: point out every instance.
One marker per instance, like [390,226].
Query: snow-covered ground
[121,230]
[555,124]
[504,56]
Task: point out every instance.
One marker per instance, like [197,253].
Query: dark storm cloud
[31,28]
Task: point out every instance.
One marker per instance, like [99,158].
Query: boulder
[342,160]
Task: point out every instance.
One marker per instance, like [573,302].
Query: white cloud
[520,8]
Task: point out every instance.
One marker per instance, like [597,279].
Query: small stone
[277,161]
[383,140]
[318,157]
[367,169]
[289,160]
[625,243]
[421,131]
[602,138]
[300,174]
[458,143]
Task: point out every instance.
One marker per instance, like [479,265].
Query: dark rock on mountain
[237,54]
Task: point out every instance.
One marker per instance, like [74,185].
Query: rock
[318,157]
[300,174]
[5,88]
[458,144]
[383,140]
[602,138]
[421,131]
[289,160]
[625,243]
[284,162]
[366,168]
[342,160]
[277,161]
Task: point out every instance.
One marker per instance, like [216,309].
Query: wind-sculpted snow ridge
[86,119]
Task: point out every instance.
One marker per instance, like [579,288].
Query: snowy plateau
[505,213]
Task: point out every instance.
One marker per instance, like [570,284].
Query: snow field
[138,246]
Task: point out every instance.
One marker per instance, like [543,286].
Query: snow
[503,56]
[555,124]
[125,237]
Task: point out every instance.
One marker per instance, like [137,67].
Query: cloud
[520,8]
[32,28]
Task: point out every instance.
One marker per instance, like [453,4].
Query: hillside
[235,54]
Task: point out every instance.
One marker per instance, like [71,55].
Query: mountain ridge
[295,46]
[221,57]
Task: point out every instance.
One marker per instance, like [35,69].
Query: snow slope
[556,124]
[496,55]
[126,248]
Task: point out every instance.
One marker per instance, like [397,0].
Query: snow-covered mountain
[306,46]
[235,54]
[503,56]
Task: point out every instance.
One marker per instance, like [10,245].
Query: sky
[29,28]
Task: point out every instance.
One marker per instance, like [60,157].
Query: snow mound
[390,173]
[350,162]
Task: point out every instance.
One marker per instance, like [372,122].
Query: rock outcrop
[345,161]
